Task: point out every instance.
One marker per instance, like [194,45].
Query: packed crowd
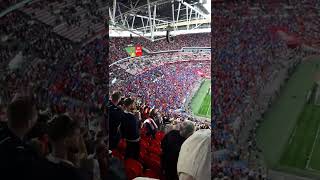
[59,128]
[117,45]
[142,64]
[308,24]
[165,86]
[147,130]
[75,20]
[250,60]
[85,79]
[45,145]
[48,59]
[137,137]
[83,69]
[7,3]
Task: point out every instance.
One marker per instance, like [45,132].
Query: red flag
[138,50]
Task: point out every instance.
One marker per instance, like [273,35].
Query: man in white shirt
[194,161]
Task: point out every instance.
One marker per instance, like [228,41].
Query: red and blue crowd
[249,61]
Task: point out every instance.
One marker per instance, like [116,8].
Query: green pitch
[303,148]
[201,102]
[289,135]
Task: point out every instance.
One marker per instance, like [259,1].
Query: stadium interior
[98,89]
[160,89]
[160,58]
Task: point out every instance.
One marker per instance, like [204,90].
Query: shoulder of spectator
[185,176]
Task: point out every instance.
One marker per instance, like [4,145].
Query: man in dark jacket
[15,153]
[115,118]
[64,135]
[131,130]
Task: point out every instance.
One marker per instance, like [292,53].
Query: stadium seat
[151,174]
[143,153]
[133,168]
[143,132]
[155,142]
[155,150]
[152,161]
[118,154]
[144,144]
[160,135]
[122,145]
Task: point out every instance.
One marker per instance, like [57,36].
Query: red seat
[146,138]
[155,143]
[143,153]
[122,145]
[144,144]
[153,162]
[143,132]
[118,154]
[151,174]
[160,135]
[133,168]
[155,150]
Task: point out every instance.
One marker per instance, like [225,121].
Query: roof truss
[146,19]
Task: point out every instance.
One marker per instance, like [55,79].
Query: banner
[131,51]
[138,50]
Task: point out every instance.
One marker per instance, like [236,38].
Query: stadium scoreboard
[134,50]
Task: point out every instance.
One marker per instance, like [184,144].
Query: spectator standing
[150,125]
[131,130]
[194,160]
[170,145]
[64,135]
[15,152]
[115,118]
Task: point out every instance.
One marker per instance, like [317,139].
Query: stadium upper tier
[73,19]
[64,76]
[4,4]
[118,45]
[139,65]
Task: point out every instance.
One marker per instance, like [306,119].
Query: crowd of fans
[55,131]
[148,125]
[75,20]
[251,60]
[142,64]
[49,58]
[85,79]
[68,83]
[153,145]
[165,86]
[7,3]
[44,145]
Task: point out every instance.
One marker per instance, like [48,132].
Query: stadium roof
[147,18]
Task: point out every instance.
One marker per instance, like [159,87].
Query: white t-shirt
[195,155]
[144,178]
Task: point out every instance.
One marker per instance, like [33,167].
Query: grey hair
[186,128]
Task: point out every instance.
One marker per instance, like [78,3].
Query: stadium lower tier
[166,87]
